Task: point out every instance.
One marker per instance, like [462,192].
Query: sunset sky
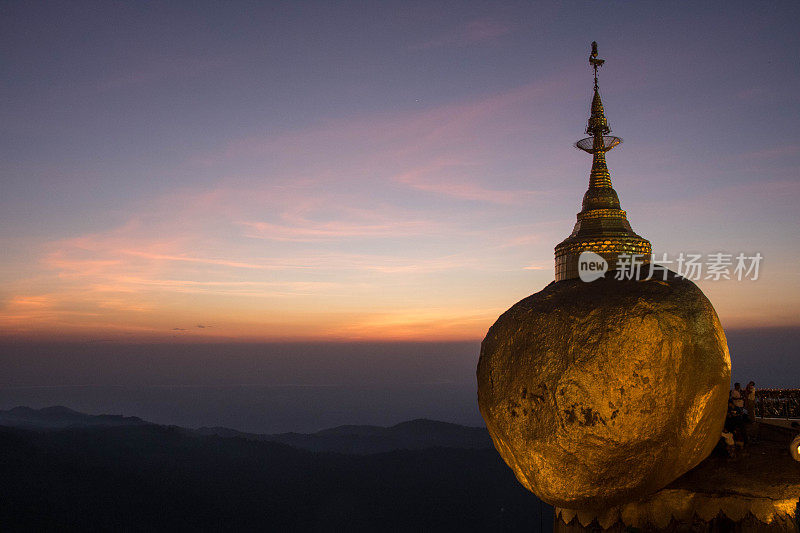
[379,170]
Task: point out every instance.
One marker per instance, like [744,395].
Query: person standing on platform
[750,407]
[750,400]
[736,396]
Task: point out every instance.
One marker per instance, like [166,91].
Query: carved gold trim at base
[683,506]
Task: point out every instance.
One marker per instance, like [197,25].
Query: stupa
[602,226]
[599,393]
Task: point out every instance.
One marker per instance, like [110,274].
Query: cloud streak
[445,178]
[481,30]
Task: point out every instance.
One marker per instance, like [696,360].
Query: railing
[778,403]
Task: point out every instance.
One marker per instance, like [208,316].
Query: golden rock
[600,393]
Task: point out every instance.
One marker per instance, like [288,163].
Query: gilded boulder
[600,393]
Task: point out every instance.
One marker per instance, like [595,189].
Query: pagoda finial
[595,61]
[597,126]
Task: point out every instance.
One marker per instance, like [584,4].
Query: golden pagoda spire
[602,226]
[598,128]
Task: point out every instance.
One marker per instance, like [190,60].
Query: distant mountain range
[58,417]
[68,471]
[413,435]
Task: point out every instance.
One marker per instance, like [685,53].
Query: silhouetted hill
[413,435]
[157,478]
[61,417]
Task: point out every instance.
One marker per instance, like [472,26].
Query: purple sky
[376,170]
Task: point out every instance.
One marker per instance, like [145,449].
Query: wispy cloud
[481,30]
[429,323]
[331,217]
[158,69]
[442,177]
[775,152]
[202,260]
[365,148]
[539,265]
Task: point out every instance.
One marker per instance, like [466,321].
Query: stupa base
[674,511]
[757,491]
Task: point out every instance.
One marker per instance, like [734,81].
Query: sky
[376,171]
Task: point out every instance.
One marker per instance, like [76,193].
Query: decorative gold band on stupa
[599,176]
[602,226]
[597,116]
